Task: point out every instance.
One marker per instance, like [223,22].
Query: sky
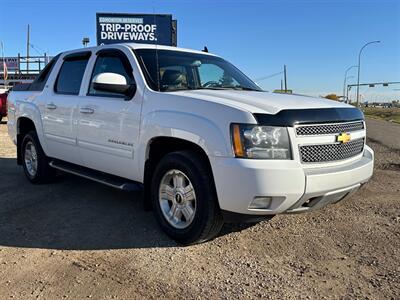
[317,40]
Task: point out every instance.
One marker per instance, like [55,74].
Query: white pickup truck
[204,142]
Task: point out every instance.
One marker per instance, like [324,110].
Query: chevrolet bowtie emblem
[343,138]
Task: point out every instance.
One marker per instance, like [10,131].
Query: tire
[185,172]
[35,163]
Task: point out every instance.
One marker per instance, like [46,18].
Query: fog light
[260,203]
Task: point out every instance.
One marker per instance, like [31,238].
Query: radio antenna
[157,63]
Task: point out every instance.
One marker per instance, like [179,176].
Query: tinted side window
[173,78]
[70,76]
[40,81]
[111,64]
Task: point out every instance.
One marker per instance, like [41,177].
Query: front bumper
[291,187]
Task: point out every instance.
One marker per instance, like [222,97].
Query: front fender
[186,126]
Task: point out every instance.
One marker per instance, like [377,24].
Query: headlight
[262,142]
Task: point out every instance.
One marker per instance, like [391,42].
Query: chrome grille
[332,128]
[330,152]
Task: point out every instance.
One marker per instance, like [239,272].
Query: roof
[162,47]
[139,46]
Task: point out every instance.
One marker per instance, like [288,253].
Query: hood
[261,102]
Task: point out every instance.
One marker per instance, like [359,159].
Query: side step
[107,179]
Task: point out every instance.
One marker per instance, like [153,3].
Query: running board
[106,179]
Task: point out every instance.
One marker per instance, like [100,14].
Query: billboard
[11,62]
[114,28]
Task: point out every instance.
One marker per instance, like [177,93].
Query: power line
[37,49]
[269,76]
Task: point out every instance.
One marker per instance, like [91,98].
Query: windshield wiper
[219,88]
[212,88]
[177,89]
[238,88]
[244,88]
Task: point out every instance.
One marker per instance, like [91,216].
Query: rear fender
[31,111]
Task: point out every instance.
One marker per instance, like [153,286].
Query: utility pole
[27,51]
[284,75]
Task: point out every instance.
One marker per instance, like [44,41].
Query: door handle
[86,110]
[51,106]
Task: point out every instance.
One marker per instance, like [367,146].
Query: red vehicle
[3,106]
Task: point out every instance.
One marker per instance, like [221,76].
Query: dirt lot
[383,132]
[77,239]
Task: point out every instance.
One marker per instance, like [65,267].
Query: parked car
[3,105]
[202,140]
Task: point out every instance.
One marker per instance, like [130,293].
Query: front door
[108,122]
[60,108]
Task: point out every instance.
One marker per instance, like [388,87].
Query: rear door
[108,123]
[61,108]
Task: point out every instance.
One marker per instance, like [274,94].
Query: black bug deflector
[291,117]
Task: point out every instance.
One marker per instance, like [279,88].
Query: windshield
[176,70]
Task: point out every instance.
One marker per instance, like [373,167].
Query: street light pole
[345,79]
[359,67]
[85,41]
[347,93]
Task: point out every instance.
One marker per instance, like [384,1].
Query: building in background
[21,69]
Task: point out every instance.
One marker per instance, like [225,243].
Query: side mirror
[113,83]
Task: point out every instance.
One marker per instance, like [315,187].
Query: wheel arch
[160,146]
[29,118]
[24,125]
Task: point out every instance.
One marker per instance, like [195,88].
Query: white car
[202,140]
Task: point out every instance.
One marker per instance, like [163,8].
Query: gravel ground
[77,239]
[384,132]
